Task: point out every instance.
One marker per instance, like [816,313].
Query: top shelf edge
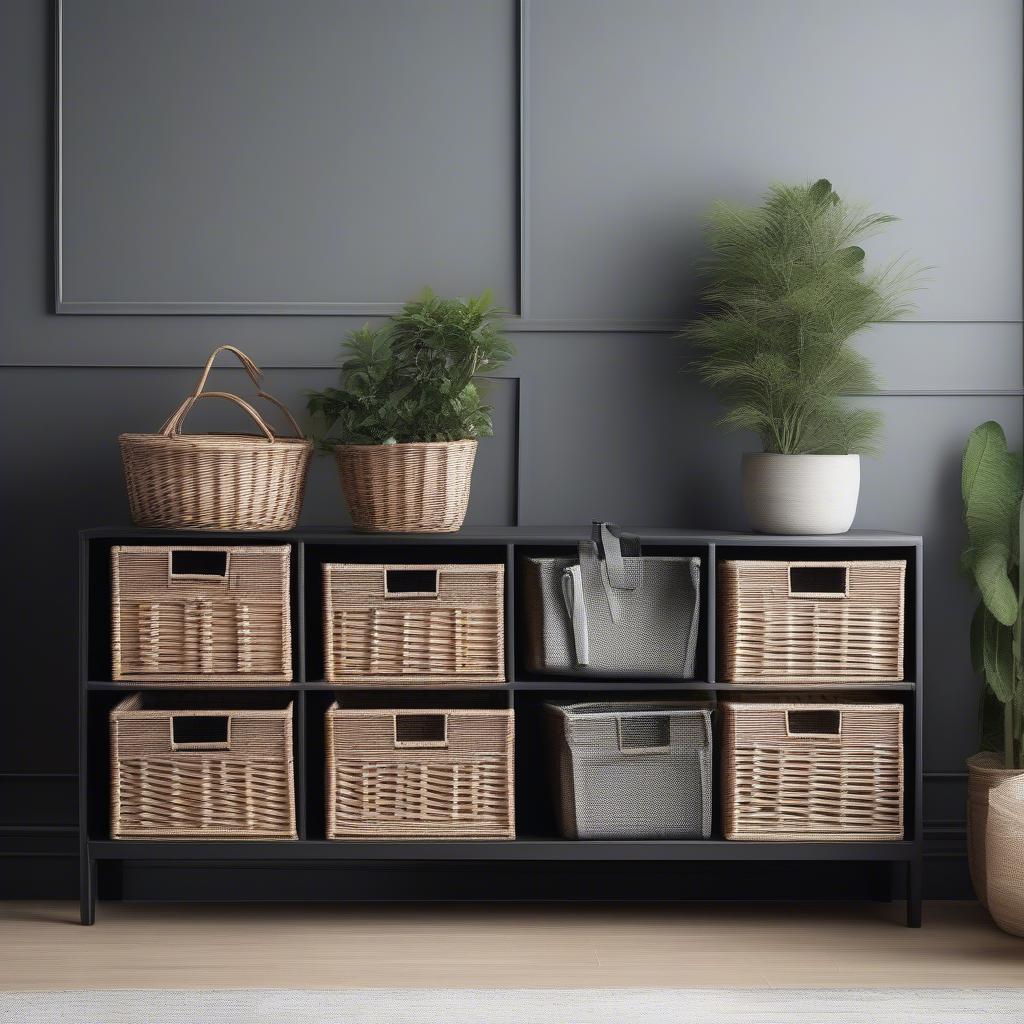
[513,535]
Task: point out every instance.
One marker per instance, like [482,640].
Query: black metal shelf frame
[537,839]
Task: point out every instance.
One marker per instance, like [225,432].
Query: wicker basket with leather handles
[217,481]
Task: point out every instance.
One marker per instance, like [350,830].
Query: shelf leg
[87,890]
[914,873]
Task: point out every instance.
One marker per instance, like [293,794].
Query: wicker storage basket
[188,767]
[631,771]
[217,481]
[407,488]
[409,772]
[201,614]
[811,621]
[807,771]
[414,624]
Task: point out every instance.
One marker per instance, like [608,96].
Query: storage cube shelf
[310,674]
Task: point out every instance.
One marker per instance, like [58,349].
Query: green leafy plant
[992,483]
[415,377]
[786,289]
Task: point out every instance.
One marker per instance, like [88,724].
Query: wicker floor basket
[201,614]
[810,771]
[811,621]
[407,488]
[631,770]
[414,624]
[195,767]
[407,773]
[985,771]
[217,481]
[1004,843]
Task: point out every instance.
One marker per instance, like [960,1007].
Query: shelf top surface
[513,535]
[542,685]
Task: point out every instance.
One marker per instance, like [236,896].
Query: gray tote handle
[618,578]
[576,607]
[613,545]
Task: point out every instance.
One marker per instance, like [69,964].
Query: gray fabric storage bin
[611,612]
[630,770]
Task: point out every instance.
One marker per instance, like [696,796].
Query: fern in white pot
[786,289]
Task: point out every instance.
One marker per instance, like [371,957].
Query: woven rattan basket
[810,771]
[425,625]
[407,488]
[199,767]
[811,622]
[411,772]
[201,614]
[630,770]
[1005,852]
[985,771]
[217,481]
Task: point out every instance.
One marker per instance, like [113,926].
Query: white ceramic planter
[800,494]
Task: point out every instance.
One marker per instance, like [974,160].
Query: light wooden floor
[333,946]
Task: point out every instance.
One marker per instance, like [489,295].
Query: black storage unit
[537,834]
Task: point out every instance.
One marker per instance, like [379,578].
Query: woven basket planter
[1005,852]
[793,622]
[408,773]
[217,481]
[202,768]
[201,614]
[985,771]
[407,488]
[809,771]
[414,625]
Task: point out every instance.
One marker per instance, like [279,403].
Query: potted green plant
[992,483]
[786,291]
[404,422]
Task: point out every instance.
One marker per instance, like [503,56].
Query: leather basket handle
[172,428]
[255,375]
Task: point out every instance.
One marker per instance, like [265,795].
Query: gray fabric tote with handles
[613,611]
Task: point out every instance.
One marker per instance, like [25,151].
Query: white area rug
[518,1006]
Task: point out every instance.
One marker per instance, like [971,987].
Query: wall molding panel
[71,300]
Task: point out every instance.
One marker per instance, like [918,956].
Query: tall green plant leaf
[991,488]
[998,659]
[978,637]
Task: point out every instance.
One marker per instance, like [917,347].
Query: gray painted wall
[638,114]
